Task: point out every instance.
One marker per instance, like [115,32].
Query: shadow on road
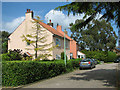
[107,76]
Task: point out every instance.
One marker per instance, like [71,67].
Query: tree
[98,35]
[109,10]
[37,40]
[4,40]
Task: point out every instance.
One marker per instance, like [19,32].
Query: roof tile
[52,30]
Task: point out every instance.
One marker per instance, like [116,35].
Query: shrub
[5,57]
[62,56]
[23,72]
[12,55]
[101,55]
[111,57]
[26,57]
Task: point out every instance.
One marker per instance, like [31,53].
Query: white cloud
[11,26]
[64,20]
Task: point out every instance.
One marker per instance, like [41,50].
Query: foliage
[62,56]
[101,55]
[4,40]
[37,40]
[12,55]
[111,11]
[118,56]
[96,36]
[26,57]
[17,73]
[111,56]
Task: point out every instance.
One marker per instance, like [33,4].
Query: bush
[23,72]
[26,57]
[5,57]
[12,55]
[62,56]
[111,57]
[101,55]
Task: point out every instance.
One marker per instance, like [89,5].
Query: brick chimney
[29,14]
[59,28]
[50,24]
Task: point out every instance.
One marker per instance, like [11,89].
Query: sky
[13,13]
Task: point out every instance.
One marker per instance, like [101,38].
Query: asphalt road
[103,76]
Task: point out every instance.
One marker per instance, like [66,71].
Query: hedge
[15,73]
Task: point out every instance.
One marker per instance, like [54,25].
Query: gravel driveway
[103,76]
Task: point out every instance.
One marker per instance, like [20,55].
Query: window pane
[57,41]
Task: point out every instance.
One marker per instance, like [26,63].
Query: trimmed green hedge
[15,73]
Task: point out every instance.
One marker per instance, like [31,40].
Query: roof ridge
[51,29]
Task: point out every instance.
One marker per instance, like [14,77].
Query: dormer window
[57,41]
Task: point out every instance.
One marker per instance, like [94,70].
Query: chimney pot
[27,10]
[50,20]
[57,24]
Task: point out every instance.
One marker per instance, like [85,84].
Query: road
[103,76]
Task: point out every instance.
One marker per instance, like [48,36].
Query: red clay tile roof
[52,30]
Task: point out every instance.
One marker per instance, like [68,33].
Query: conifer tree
[38,40]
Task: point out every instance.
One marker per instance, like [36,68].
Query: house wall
[27,27]
[81,55]
[15,41]
[60,49]
[73,45]
[73,48]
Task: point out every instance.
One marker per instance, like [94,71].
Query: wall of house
[15,41]
[27,27]
[60,49]
[73,48]
[73,45]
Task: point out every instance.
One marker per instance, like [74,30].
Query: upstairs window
[66,44]
[57,41]
[28,43]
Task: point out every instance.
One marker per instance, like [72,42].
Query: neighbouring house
[56,36]
[81,55]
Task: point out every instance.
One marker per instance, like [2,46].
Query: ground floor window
[78,56]
[58,57]
[71,55]
[81,56]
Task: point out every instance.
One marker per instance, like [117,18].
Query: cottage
[80,55]
[56,36]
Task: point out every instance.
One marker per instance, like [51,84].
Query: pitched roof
[52,30]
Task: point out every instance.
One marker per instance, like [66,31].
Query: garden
[18,69]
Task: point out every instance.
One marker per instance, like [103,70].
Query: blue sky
[13,13]
[11,10]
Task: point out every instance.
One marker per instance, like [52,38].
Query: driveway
[103,76]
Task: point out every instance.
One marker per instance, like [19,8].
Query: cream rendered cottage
[16,42]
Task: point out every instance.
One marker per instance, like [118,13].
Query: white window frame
[58,42]
[58,57]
